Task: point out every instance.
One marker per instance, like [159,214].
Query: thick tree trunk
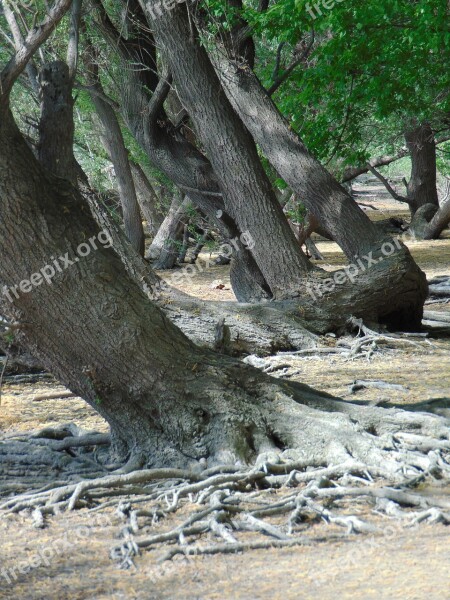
[325,198]
[422,186]
[174,154]
[168,402]
[334,208]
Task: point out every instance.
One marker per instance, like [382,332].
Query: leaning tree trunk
[248,194]
[167,401]
[202,95]
[171,152]
[113,140]
[422,186]
[164,248]
[333,207]
[147,198]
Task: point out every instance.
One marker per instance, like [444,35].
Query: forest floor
[395,563]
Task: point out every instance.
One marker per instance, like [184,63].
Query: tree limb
[282,78]
[74,35]
[388,186]
[33,41]
[18,42]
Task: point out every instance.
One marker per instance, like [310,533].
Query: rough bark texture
[169,402]
[333,207]
[56,127]
[115,146]
[422,187]
[147,198]
[170,151]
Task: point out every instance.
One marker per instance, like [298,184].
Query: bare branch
[74,35]
[381,161]
[19,42]
[33,41]
[282,78]
[388,186]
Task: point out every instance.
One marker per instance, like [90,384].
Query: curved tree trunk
[332,206]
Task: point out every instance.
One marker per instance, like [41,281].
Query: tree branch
[74,36]
[282,78]
[30,45]
[18,42]
[388,186]
[381,161]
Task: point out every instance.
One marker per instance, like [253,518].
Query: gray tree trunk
[248,195]
[422,186]
[113,140]
[147,198]
[167,401]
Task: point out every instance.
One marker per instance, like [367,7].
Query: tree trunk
[167,401]
[334,208]
[171,152]
[113,140]
[148,199]
[325,198]
[56,126]
[422,186]
[248,195]
[163,250]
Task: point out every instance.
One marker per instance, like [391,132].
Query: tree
[385,65]
[169,401]
[202,95]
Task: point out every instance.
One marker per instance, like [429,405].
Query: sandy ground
[397,563]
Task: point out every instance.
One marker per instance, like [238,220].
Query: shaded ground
[395,563]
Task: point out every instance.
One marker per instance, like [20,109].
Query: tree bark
[169,402]
[333,207]
[164,248]
[56,126]
[170,151]
[422,186]
[147,198]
